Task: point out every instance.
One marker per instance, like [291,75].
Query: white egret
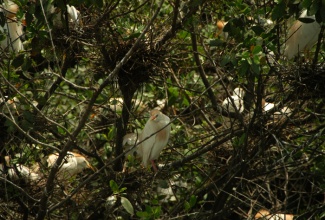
[301,36]
[72,164]
[13,29]
[150,148]
[238,101]
[74,17]
[129,140]
[264,214]
[283,113]
[267,106]
[18,171]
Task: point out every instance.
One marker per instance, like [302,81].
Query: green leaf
[187,206]
[127,205]
[18,61]
[132,36]
[257,49]
[193,200]
[143,214]
[258,30]
[216,42]
[256,68]
[173,95]
[111,134]
[114,187]
[278,11]
[243,68]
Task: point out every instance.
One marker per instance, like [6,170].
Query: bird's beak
[153,117]
[91,167]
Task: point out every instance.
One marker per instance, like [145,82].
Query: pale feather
[150,149]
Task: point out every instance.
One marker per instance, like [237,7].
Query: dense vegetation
[64,93]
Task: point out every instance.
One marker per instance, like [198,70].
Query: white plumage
[74,17]
[150,149]
[238,100]
[301,36]
[129,140]
[285,112]
[72,164]
[267,106]
[17,171]
[13,29]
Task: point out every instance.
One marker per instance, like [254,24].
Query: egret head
[83,163]
[221,25]
[11,9]
[155,115]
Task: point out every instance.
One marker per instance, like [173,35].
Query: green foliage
[151,212]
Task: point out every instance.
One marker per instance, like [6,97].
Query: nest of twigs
[308,80]
[143,64]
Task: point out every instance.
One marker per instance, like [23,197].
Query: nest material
[309,81]
[139,69]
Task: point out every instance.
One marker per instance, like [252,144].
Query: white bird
[13,29]
[301,36]
[264,214]
[150,149]
[74,17]
[238,100]
[71,165]
[283,113]
[18,171]
[129,140]
[267,106]
[116,104]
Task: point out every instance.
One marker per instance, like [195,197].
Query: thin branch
[19,189]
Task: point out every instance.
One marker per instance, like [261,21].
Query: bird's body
[13,29]
[238,101]
[74,17]
[72,164]
[267,106]
[284,113]
[264,214]
[150,148]
[18,171]
[301,36]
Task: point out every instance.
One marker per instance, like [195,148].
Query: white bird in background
[285,112]
[238,100]
[301,36]
[150,149]
[18,171]
[72,164]
[264,214]
[74,17]
[13,29]
[267,106]
[129,140]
